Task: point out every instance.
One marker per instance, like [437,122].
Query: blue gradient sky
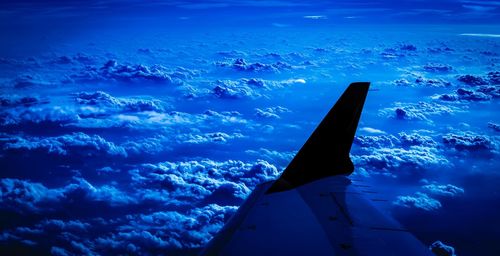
[139,128]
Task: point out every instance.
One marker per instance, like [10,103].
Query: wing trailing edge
[326,152]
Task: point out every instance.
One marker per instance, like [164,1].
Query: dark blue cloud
[416,79]
[23,196]
[232,54]
[491,90]
[233,90]
[149,233]
[381,141]
[113,71]
[400,161]
[159,121]
[421,111]
[407,154]
[76,144]
[440,50]
[402,82]
[58,251]
[472,80]
[463,94]
[252,88]
[248,87]
[148,146]
[107,170]
[241,65]
[416,139]
[65,237]
[81,248]
[104,100]
[260,172]
[57,225]
[271,112]
[432,82]
[91,147]
[82,191]
[99,110]
[28,80]
[437,68]
[31,197]
[469,141]
[21,101]
[161,232]
[433,197]
[215,137]
[229,193]
[399,51]
[391,53]
[63,60]
[441,249]
[482,88]
[185,182]
[494,77]
[414,153]
[53,116]
[84,58]
[446,190]
[419,200]
[408,47]
[277,158]
[494,126]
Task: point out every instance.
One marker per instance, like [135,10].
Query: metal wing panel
[326,217]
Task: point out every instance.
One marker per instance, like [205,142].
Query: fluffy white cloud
[421,111]
[447,190]
[419,200]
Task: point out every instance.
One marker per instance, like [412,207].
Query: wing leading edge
[314,208]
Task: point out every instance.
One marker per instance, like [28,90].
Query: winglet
[326,152]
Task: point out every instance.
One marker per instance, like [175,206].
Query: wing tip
[360,85]
[329,144]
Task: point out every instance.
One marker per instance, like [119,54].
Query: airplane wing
[314,208]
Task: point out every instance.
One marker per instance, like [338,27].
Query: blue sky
[140,128]
[409,10]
